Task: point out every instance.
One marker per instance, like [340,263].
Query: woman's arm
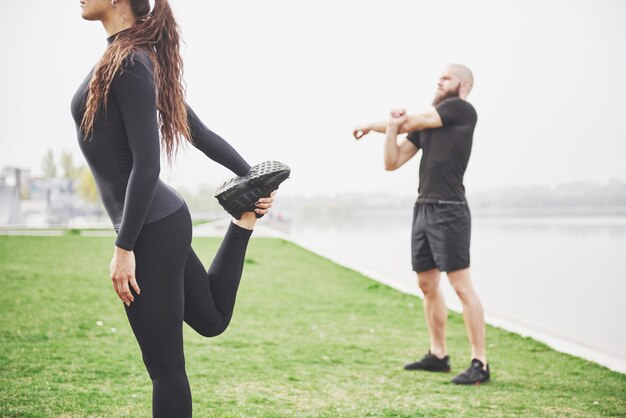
[134,92]
[214,146]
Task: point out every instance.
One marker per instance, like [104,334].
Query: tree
[47,165]
[67,164]
[87,185]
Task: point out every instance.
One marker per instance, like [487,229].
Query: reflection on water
[562,276]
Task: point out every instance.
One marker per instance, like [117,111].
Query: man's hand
[360,132]
[123,274]
[396,113]
[398,118]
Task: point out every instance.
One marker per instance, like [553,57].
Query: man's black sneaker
[239,194]
[474,375]
[430,363]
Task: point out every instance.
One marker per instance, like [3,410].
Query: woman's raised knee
[211,329]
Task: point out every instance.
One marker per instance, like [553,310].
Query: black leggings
[175,287]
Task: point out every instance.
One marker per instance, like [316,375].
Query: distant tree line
[81,177]
[578,194]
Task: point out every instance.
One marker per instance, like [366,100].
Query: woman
[131,101]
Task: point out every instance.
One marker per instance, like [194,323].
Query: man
[441,217]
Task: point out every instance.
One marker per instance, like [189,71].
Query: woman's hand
[265,203]
[248,219]
[122,273]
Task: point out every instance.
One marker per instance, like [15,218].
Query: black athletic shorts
[441,236]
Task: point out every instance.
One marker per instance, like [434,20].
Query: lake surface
[559,278]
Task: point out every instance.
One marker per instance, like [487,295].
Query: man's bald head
[464,74]
[455,81]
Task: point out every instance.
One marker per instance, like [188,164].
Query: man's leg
[435,310]
[434,306]
[472,312]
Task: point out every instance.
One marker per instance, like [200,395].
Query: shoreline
[559,344]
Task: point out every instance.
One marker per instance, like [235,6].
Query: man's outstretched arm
[428,119]
[362,130]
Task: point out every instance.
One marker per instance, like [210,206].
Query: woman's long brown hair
[157,33]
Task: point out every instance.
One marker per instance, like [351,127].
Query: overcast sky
[289,80]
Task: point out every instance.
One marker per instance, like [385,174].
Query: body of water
[558,279]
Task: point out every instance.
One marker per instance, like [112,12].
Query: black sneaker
[474,375]
[430,363]
[239,194]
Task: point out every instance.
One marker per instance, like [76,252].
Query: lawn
[308,338]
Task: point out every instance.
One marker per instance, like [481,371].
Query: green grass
[196,222]
[309,338]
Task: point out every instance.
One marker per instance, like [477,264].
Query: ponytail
[157,33]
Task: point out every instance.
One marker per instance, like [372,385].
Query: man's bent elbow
[390,167]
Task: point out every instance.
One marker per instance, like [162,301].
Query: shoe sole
[239,194]
[427,370]
[271,173]
[477,383]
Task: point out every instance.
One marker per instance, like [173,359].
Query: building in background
[14,186]
[27,201]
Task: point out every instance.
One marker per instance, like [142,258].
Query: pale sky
[288,80]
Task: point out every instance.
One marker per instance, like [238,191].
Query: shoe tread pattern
[240,194]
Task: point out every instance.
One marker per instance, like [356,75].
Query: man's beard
[446,95]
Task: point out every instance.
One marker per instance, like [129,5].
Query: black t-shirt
[445,152]
[124,151]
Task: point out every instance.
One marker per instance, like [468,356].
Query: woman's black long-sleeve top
[123,151]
